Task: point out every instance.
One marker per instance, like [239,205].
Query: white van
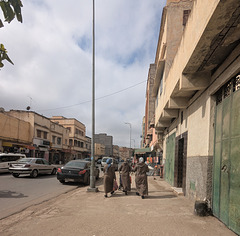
[7,158]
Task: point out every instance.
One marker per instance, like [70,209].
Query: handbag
[115,185]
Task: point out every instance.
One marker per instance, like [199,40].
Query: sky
[52,55]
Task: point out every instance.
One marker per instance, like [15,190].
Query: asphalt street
[80,212]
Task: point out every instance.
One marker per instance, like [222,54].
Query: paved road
[84,213]
[18,193]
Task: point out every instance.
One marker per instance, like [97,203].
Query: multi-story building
[15,134]
[125,153]
[149,108]
[116,151]
[197,92]
[107,141]
[99,150]
[47,138]
[78,143]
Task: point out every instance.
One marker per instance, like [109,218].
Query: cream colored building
[197,92]
[78,143]
[99,150]
[14,134]
[49,140]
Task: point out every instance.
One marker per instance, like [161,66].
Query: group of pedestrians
[125,170]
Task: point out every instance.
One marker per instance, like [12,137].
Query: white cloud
[52,53]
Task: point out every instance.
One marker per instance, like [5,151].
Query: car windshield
[25,160]
[76,164]
[105,159]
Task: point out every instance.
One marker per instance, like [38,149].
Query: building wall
[14,129]
[205,59]
[107,141]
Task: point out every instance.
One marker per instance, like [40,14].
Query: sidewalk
[85,213]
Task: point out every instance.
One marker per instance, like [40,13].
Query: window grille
[227,89]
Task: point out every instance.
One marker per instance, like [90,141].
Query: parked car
[7,158]
[76,171]
[32,166]
[114,162]
[99,161]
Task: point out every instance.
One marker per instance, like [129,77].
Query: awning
[142,150]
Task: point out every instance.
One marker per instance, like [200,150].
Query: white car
[32,166]
[7,158]
[114,162]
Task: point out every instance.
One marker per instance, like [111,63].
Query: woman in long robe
[141,170]
[109,177]
[125,170]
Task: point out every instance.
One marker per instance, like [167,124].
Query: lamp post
[130,125]
[133,142]
[92,187]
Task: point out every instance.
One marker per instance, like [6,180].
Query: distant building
[107,141]
[116,151]
[78,142]
[99,150]
[125,153]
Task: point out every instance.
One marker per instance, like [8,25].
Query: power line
[108,95]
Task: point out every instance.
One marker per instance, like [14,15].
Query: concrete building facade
[15,134]
[107,141]
[197,92]
[78,142]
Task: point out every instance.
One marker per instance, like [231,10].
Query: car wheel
[62,181]
[54,171]
[15,175]
[34,173]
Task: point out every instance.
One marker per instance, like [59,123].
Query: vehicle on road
[114,162]
[7,158]
[33,166]
[76,171]
[99,161]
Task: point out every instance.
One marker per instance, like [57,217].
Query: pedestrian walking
[125,170]
[141,170]
[109,177]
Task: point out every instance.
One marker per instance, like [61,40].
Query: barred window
[227,89]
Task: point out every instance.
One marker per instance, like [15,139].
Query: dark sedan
[76,171]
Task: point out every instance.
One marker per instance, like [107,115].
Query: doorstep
[177,191]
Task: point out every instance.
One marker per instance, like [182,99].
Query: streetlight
[133,142]
[92,187]
[127,123]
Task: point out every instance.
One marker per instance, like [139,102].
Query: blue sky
[52,55]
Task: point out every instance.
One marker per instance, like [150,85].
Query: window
[69,128]
[39,133]
[70,142]
[75,143]
[186,14]
[53,139]
[65,141]
[59,141]
[45,135]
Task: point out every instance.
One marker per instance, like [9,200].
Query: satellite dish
[28,108]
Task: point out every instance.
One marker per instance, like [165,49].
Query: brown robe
[125,168]
[109,177]
[141,170]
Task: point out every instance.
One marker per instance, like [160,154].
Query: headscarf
[141,160]
[109,161]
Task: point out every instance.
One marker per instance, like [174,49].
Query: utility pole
[130,125]
[92,187]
